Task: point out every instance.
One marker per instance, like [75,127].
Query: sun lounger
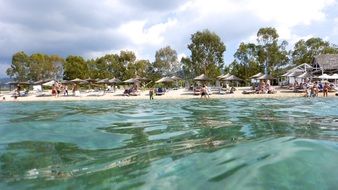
[160,92]
[43,94]
[135,93]
[100,93]
[249,92]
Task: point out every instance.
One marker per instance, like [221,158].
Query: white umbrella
[324,76]
[335,76]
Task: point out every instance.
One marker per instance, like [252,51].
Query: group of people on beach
[312,89]
[57,88]
[264,88]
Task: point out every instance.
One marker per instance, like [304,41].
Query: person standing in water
[326,89]
[151,94]
[204,92]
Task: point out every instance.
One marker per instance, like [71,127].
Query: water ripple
[180,143]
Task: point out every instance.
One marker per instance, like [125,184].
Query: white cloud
[335,29]
[139,34]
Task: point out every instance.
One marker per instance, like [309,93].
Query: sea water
[170,144]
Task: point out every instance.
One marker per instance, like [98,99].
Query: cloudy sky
[94,28]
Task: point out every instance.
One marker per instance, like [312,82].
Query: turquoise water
[170,144]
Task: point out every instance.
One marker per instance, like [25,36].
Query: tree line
[207,57]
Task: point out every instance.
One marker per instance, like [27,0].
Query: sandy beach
[144,95]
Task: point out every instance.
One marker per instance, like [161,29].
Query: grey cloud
[60,27]
[78,27]
[61,14]
[153,5]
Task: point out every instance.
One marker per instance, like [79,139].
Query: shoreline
[180,94]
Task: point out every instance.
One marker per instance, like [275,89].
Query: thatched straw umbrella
[233,78]
[114,81]
[77,80]
[201,77]
[165,80]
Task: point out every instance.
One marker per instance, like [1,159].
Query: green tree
[270,52]
[305,51]
[142,67]
[43,66]
[38,66]
[19,69]
[166,62]
[75,67]
[246,61]
[127,59]
[206,57]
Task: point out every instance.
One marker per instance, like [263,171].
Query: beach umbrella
[256,75]
[65,81]
[103,81]
[141,79]
[201,77]
[26,82]
[165,80]
[175,78]
[334,76]
[90,80]
[324,76]
[12,83]
[50,83]
[39,82]
[265,77]
[77,80]
[232,78]
[132,80]
[114,80]
[223,76]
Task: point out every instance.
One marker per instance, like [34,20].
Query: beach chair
[160,92]
[135,93]
[249,92]
[96,93]
[197,91]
